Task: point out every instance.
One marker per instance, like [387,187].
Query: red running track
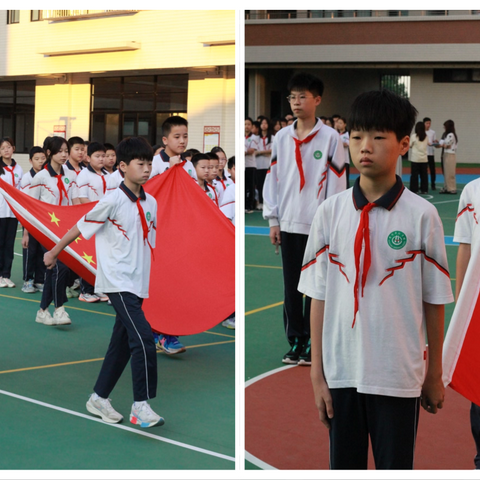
[283,430]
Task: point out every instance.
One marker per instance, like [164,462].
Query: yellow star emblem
[77,239]
[54,219]
[88,258]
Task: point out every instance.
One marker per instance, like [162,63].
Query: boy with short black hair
[33,267]
[92,186]
[307,166]
[77,154]
[110,163]
[123,270]
[201,163]
[175,139]
[376,268]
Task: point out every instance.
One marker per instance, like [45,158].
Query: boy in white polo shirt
[124,223]
[467,234]
[307,166]
[376,268]
[92,186]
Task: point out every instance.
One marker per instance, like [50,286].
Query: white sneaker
[143,415]
[102,408]
[76,284]
[2,282]
[102,297]
[229,323]
[8,283]
[28,287]
[38,286]
[89,298]
[43,316]
[61,317]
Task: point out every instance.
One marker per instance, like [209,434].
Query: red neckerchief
[11,169]
[144,224]
[264,145]
[298,156]
[104,183]
[61,188]
[363,235]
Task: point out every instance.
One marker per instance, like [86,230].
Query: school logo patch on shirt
[149,216]
[317,154]
[397,240]
[67,181]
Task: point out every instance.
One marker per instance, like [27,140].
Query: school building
[107,74]
[430,56]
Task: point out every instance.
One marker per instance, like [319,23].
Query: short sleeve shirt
[45,186]
[383,353]
[123,256]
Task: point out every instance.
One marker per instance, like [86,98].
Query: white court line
[446,201]
[129,429]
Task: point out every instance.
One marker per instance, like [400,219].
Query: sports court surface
[47,374]
[280,436]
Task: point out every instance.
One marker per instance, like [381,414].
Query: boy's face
[428,125]
[38,161]
[231,171]
[77,152]
[177,139]
[110,158]
[375,153]
[340,125]
[202,169]
[304,104]
[137,171]
[213,169]
[97,160]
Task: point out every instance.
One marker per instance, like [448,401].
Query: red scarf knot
[363,235]
[298,156]
[11,169]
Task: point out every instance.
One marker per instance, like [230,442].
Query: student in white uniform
[263,156]
[201,163]
[308,166]
[56,186]
[92,186]
[376,268]
[467,234]
[432,140]
[123,271]
[251,147]
[11,173]
[33,267]
[77,155]
[228,199]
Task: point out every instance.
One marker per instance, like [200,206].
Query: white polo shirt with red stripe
[468,215]
[91,185]
[114,180]
[44,186]
[123,256]
[12,175]
[289,202]
[227,206]
[383,351]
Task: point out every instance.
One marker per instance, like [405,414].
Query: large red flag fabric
[192,280]
[461,352]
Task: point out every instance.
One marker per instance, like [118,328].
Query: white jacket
[323,161]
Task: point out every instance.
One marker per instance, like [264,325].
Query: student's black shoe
[292,356]
[306,355]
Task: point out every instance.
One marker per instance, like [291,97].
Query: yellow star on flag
[88,258]
[54,219]
[77,239]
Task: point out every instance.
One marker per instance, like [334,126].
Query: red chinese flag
[49,223]
[461,352]
[192,280]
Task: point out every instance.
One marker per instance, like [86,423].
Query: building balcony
[60,15]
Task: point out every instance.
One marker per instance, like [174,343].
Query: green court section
[196,394]
[265,342]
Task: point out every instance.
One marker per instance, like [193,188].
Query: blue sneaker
[169,344]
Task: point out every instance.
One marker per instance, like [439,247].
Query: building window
[135,106]
[456,75]
[17,111]
[35,15]
[399,84]
[13,16]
